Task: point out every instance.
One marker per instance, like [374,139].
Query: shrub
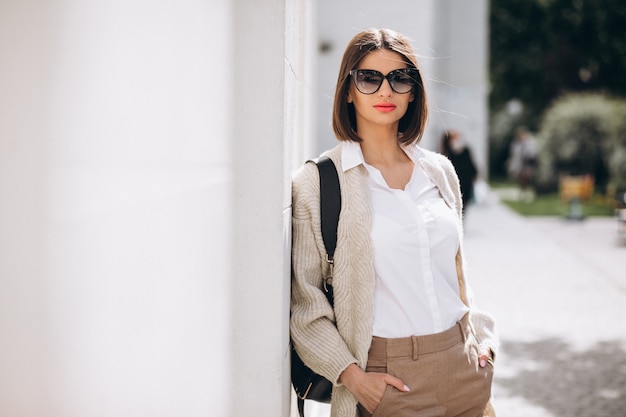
[576,137]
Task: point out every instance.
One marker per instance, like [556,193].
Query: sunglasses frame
[413,73]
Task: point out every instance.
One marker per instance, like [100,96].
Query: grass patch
[552,205]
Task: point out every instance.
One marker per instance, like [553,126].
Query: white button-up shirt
[416,238]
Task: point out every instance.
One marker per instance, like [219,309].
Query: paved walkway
[558,291]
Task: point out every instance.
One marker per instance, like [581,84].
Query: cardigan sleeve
[312,325]
[485,327]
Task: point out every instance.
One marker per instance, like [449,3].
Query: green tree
[576,132]
[541,49]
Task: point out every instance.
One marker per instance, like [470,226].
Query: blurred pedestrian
[453,146]
[403,338]
[522,162]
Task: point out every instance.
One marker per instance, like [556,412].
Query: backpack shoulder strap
[330,203]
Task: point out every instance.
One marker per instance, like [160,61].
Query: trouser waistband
[414,346]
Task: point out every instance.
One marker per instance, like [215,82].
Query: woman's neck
[382,150]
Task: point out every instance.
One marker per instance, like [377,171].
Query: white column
[266,112]
[116,217]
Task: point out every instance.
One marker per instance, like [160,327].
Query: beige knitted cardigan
[328,340]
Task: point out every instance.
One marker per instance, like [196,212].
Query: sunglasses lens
[367,82]
[403,81]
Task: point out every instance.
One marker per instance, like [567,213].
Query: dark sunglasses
[401,80]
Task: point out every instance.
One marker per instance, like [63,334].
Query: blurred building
[146,150]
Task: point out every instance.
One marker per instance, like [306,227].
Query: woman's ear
[411,98]
[349,98]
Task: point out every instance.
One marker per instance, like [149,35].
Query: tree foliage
[584,133]
[541,49]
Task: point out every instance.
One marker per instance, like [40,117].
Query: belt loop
[415,348]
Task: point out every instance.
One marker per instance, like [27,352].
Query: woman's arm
[313,331]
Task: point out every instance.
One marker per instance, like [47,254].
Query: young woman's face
[385,106]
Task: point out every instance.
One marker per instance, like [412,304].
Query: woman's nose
[385,89]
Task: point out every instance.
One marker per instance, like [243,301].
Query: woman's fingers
[482,361]
[485,357]
[373,386]
[397,383]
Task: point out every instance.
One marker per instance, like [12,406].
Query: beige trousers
[441,370]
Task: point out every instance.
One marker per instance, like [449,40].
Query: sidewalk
[558,291]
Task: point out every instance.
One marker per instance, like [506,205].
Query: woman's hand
[485,356]
[369,387]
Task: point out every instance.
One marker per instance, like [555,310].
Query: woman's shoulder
[436,158]
[305,184]
[304,173]
[305,181]
[308,171]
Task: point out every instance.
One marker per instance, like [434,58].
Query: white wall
[146,150]
[462,67]
[144,212]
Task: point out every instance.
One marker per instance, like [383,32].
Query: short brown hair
[413,123]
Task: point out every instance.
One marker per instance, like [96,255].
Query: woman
[460,155]
[401,339]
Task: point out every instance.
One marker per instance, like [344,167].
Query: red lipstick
[385,107]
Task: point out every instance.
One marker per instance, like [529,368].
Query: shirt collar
[352,156]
